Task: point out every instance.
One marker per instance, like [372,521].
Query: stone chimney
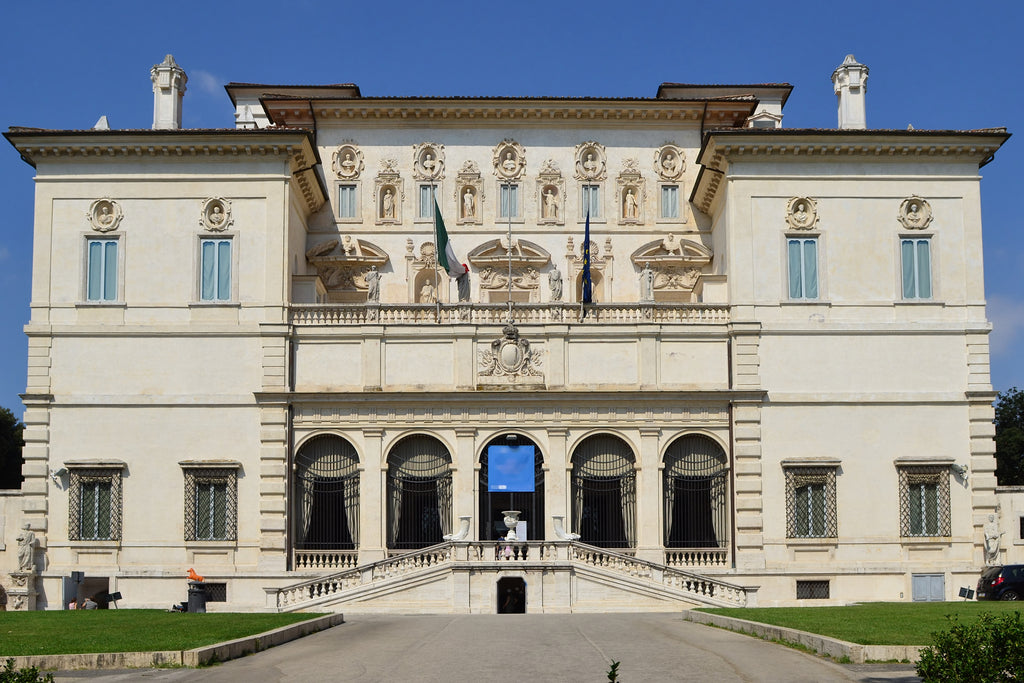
[851,82]
[169,81]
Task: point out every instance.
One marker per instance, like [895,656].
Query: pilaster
[556,474]
[466,480]
[748,483]
[371,488]
[648,498]
[273,475]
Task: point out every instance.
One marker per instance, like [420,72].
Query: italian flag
[445,253]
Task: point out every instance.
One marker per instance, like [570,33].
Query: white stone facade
[808,366]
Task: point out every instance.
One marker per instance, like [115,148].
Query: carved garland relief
[104,215]
[215,214]
[802,213]
[915,213]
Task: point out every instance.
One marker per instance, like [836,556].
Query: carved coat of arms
[510,355]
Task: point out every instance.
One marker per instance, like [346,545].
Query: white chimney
[169,81]
[851,82]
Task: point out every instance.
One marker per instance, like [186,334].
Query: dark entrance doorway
[511,595]
[493,502]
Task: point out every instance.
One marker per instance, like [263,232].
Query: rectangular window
[812,590]
[346,201]
[811,502]
[924,501]
[1022,528]
[102,270]
[803,267]
[591,201]
[95,505]
[917,268]
[211,497]
[670,201]
[426,201]
[215,270]
[509,201]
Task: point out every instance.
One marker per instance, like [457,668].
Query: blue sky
[933,65]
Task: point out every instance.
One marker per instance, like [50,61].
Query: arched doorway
[604,492]
[326,495]
[511,478]
[419,493]
[694,484]
[511,595]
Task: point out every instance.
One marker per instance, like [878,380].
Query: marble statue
[106,217]
[468,204]
[373,285]
[462,282]
[630,204]
[388,204]
[348,166]
[555,281]
[216,215]
[26,548]
[550,204]
[992,535]
[647,283]
[668,162]
[509,164]
[672,244]
[427,294]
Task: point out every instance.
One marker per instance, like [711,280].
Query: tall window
[670,201]
[346,201]
[211,501]
[803,268]
[327,495]
[590,201]
[916,259]
[215,269]
[604,492]
[426,201]
[696,505]
[924,501]
[811,502]
[102,270]
[95,505]
[509,201]
[419,493]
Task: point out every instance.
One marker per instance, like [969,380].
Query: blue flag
[588,284]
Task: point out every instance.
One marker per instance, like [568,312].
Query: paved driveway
[517,648]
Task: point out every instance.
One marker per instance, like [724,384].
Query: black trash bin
[196,597]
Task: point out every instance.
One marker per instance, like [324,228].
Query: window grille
[216,592]
[604,492]
[419,493]
[211,504]
[94,505]
[695,485]
[327,495]
[811,502]
[812,590]
[492,503]
[924,501]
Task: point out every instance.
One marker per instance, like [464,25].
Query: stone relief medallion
[550,194]
[388,192]
[216,214]
[509,356]
[428,161]
[509,160]
[669,162]
[591,161]
[915,213]
[347,162]
[469,194]
[104,215]
[802,213]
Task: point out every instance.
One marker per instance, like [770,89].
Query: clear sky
[934,65]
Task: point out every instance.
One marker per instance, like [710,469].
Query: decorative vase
[511,520]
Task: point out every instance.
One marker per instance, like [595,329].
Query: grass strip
[85,631]
[872,623]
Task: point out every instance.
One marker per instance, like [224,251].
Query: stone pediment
[495,253]
[672,251]
[342,263]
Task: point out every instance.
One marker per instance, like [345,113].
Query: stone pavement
[517,648]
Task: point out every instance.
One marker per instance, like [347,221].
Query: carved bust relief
[509,160]
[915,213]
[104,215]
[347,162]
[591,161]
[550,194]
[388,193]
[669,162]
[216,214]
[428,161]
[802,213]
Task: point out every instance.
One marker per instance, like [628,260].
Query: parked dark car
[1002,583]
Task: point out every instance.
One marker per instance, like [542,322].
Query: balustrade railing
[311,315]
[317,560]
[697,557]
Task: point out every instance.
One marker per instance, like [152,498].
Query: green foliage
[613,672]
[1010,437]
[985,651]
[11,441]
[29,674]
[872,623]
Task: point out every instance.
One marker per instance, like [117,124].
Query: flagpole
[509,212]
[437,255]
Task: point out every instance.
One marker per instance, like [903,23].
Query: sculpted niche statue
[555,282]
[388,205]
[26,548]
[468,204]
[629,204]
[373,285]
[550,209]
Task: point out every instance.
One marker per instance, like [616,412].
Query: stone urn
[511,520]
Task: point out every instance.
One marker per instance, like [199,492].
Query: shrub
[986,651]
[29,674]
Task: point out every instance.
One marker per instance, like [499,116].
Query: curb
[833,647]
[218,652]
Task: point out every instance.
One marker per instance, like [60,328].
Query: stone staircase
[461,576]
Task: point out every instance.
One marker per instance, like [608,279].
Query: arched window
[604,492]
[327,495]
[695,484]
[419,493]
[494,502]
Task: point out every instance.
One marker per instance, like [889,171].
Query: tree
[1010,437]
[11,442]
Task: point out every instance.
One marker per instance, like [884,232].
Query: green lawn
[873,623]
[128,630]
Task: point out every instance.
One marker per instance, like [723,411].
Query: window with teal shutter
[102,270]
[917,268]
[215,265]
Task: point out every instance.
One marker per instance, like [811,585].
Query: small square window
[812,590]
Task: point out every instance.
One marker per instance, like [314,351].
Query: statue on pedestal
[26,549]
